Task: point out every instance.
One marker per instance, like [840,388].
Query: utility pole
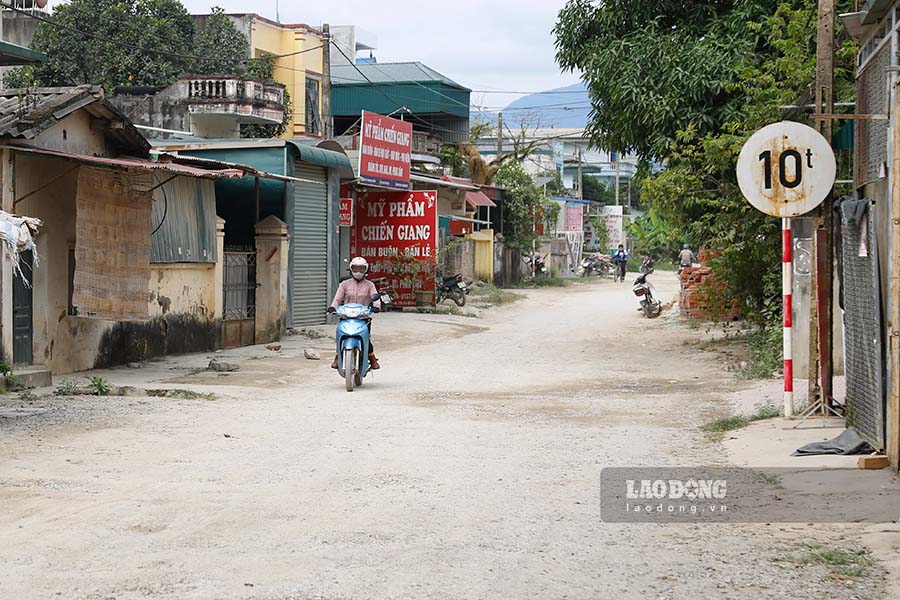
[580,177]
[499,136]
[617,178]
[628,200]
[821,303]
[327,127]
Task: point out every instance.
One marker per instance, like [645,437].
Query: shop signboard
[574,217]
[396,232]
[346,214]
[385,147]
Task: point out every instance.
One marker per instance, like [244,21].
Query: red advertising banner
[346,215]
[397,233]
[384,151]
[575,217]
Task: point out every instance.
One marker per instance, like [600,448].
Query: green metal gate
[309,247]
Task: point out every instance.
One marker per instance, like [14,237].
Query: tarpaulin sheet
[112,246]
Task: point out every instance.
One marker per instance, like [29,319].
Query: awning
[14,55]
[476,199]
[136,163]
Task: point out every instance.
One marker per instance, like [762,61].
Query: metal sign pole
[787,277]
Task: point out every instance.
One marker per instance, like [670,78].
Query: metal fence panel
[862,328]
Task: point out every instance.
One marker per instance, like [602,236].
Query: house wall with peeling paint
[182,298]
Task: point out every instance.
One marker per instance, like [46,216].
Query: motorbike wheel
[350,368]
[459,297]
[648,311]
[357,378]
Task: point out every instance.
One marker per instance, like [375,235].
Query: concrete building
[102,292]
[299,66]
[868,252]
[206,107]
[350,41]
[300,208]
[560,151]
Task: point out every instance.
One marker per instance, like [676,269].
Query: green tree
[99,42]
[225,46]
[123,42]
[726,69]
[597,190]
[523,205]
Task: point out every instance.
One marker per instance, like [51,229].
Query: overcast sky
[482,44]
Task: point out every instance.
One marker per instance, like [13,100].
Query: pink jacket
[353,291]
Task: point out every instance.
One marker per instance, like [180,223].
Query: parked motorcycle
[647,265]
[352,340]
[386,291]
[596,263]
[650,306]
[453,287]
[536,264]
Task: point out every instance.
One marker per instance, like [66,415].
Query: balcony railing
[234,89]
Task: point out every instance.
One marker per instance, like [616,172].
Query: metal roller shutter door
[309,247]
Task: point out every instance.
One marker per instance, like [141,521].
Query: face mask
[358,276]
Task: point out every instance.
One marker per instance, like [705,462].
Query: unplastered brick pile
[697,285]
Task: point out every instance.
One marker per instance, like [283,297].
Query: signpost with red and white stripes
[787,284]
[786,170]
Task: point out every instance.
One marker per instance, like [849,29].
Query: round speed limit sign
[786,169]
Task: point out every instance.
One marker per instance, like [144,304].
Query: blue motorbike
[352,340]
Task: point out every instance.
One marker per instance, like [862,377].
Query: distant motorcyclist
[620,258]
[686,257]
[357,290]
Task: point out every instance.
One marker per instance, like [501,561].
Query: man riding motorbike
[357,290]
[686,257]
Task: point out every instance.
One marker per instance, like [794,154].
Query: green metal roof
[386,87]
[401,72]
[12,55]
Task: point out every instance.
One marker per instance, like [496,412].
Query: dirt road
[468,467]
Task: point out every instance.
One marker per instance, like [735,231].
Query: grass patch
[491,294]
[717,429]
[765,354]
[182,394]
[842,562]
[542,281]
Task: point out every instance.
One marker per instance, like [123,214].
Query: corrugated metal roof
[243,151]
[27,112]
[400,72]
[136,163]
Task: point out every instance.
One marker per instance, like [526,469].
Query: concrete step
[34,376]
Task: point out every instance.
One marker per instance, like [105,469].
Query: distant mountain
[562,107]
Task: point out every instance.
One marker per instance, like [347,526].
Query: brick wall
[695,303]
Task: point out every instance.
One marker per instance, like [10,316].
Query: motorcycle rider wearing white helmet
[357,290]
